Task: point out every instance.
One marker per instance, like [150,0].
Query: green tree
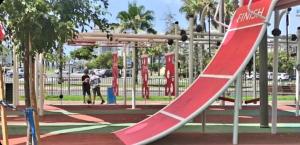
[104,61]
[156,52]
[193,10]
[26,19]
[83,53]
[136,19]
[284,65]
[44,26]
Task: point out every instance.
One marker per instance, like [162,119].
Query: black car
[292,77]
[106,73]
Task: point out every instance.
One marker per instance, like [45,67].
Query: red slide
[237,48]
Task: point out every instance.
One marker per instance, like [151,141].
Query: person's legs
[84,93]
[89,94]
[99,94]
[94,95]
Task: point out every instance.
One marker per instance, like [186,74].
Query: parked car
[292,77]
[106,73]
[128,73]
[63,71]
[78,73]
[10,73]
[270,75]
[283,76]
[249,77]
[99,72]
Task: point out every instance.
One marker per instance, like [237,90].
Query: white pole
[15,78]
[191,44]
[41,86]
[236,110]
[36,80]
[133,80]
[221,16]
[275,74]
[298,75]
[221,30]
[176,63]
[124,73]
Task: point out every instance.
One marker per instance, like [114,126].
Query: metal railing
[73,86]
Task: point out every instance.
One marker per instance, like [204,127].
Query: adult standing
[86,87]
[95,83]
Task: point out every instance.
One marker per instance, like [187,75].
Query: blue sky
[162,7]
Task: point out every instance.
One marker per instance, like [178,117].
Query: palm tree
[136,19]
[193,10]
[201,9]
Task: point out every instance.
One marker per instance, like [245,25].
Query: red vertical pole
[170,75]
[115,74]
[145,77]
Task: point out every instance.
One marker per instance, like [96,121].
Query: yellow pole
[3,112]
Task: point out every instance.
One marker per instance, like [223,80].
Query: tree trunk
[32,91]
[136,60]
[27,85]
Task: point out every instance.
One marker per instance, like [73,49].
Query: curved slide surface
[239,44]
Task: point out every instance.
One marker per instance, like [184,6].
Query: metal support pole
[3,112]
[176,62]
[275,74]
[133,79]
[191,69]
[236,111]
[240,91]
[125,75]
[41,87]
[263,82]
[69,80]
[203,121]
[36,76]
[221,16]
[254,75]
[221,30]
[15,77]
[298,75]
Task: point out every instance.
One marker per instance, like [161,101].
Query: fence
[72,86]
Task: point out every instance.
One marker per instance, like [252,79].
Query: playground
[211,106]
[79,125]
